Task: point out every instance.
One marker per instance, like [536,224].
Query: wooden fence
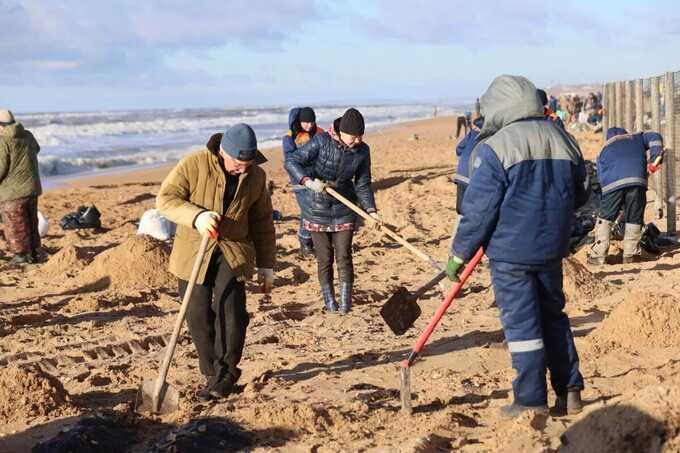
[651,104]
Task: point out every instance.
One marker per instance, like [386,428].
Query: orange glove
[652,168]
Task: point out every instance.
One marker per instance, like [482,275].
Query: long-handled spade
[383,229]
[157,396]
[405,390]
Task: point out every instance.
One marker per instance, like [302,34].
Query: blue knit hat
[239,142]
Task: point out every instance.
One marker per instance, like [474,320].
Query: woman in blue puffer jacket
[341,161]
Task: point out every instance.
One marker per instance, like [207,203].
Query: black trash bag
[84,217]
[650,239]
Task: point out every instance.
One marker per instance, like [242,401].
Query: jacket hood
[13,130]
[614,131]
[213,146]
[293,116]
[508,99]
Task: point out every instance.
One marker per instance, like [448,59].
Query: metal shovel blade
[400,311]
[168,400]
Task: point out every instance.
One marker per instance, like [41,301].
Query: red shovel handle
[420,344]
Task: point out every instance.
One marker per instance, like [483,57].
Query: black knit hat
[352,122]
[307,115]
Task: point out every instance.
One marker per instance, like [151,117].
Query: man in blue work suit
[528,177]
[622,167]
[462,176]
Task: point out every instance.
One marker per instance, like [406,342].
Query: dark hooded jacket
[347,170]
[464,150]
[623,160]
[296,136]
[528,176]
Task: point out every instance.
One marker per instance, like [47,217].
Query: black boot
[328,294]
[568,404]
[20,259]
[345,297]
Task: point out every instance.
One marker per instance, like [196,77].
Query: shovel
[405,389]
[158,396]
[401,310]
[383,229]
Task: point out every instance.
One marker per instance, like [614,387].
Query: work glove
[206,223]
[378,220]
[315,185]
[454,267]
[265,277]
[652,168]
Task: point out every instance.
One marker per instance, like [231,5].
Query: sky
[74,55]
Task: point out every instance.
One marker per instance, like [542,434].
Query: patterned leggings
[20,225]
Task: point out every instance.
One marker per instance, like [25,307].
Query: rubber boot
[570,403]
[328,294]
[598,252]
[514,410]
[20,259]
[345,297]
[306,249]
[631,242]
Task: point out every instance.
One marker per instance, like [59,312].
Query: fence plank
[639,107]
[657,179]
[671,146]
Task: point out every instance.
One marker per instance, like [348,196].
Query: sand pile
[580,285]
[649,422]
[69,260]
[139,262]
[641,320]
[26,393]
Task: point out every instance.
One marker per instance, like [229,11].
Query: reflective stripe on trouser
[631,240]
[304,236]
[603,231]
[531,301]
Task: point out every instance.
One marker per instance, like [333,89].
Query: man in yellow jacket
[222,192]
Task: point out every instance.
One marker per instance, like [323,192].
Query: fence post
[657,178]
[669,140]
[605,110]
[628,105]
[639,107]
[619,104]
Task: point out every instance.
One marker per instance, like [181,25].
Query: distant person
[302,124]
[220,191]
[527,179]
[553,104]
[622,169]
[463,123]
[463,153]
[19,190]
[547,111]
[342,160]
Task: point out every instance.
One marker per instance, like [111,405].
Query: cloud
[473,24]
[130,38]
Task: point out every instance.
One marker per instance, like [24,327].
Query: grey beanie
[239,142]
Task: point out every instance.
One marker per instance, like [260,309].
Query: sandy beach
[81,331]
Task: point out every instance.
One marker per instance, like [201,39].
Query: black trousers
[330,245]
[218,320]
[633,201]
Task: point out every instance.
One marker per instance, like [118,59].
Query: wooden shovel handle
[170,349]
[384,230]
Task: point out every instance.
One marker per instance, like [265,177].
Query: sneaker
[204,394]
[19,259]
[514,410]
[223,388]
[568,404]
[595,261]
